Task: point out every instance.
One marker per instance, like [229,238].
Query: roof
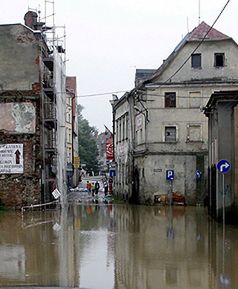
[200,31]
[143,74]
[197,34]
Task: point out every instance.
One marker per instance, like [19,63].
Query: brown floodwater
[118,247]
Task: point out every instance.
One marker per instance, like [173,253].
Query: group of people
[93,188]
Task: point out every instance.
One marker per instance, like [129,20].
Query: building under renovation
[32,113]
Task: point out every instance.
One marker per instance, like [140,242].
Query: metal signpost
[170,178]
[223,167]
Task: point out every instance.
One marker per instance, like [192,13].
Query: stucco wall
[208,71]
[19,56]
[153,181]
[121,149]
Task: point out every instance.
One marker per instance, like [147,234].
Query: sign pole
[223,198]
[171,192]
[223,217]
[223,167]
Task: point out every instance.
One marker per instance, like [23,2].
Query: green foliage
[87,143]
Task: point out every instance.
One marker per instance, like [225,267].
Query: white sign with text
[11,159]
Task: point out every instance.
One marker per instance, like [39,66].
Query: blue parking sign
[112,173]
[169,175]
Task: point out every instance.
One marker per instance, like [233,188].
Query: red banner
[109,149]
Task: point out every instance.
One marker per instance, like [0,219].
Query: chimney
[31,19]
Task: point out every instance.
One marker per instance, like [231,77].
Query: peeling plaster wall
[19,58]
[20,112]
[17,117]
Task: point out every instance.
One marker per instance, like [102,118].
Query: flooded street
[117,246]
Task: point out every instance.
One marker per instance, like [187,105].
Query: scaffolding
[51,43]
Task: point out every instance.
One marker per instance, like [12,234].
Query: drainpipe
[130,101]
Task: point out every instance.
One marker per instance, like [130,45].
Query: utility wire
[103,93]
[195,49]
[186,60]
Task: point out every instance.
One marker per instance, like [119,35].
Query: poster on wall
[11,159]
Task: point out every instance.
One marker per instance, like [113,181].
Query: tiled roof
[200,31]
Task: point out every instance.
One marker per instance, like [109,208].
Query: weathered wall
[153,181]
[223,145]
[208,71]
[17,117]
[121,149]
[19,55]
[17,190]
[225,151]
[20,112]
[235,131]
[186,116]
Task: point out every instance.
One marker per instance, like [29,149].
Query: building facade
[122,145]
[222,113]
[32,109]
[169,130]
[73,160]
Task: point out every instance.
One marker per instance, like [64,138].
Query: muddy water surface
[117,247]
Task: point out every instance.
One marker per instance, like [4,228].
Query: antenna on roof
[187,25]
[199,12]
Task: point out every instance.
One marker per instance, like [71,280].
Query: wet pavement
[83,196]
[106,246]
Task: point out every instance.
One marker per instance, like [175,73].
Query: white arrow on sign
[224,166]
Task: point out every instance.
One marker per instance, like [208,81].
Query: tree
[87,136]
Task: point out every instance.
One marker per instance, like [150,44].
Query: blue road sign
[112,173]
[169,175]
[198,174]
[223,166]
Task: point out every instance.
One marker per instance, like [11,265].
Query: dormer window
[196,60]
[219,59]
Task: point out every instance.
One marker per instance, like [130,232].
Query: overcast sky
[108,39]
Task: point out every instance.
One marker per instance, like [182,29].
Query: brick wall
[17,190]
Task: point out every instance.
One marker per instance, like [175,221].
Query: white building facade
[169,129]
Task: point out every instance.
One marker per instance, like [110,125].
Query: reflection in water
[117,247]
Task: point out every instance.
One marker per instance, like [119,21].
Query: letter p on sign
[169,175]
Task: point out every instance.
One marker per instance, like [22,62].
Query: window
[126,126]
[194,132]
[117,131]
[123,128]
[170,133]
[170,99]
[196,60]
[219,59]
[195,99]
[120,138]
